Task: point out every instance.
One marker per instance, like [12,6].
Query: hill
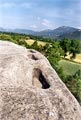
[69,68]
[24,31]
[58,33]
[21,31]
[72,35]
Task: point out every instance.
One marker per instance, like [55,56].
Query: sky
[40,14]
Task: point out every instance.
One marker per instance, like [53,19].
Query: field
[76,59]
[30,42]
[69,68]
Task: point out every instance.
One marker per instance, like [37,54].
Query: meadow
[69,68]
[76,59]
[30,42]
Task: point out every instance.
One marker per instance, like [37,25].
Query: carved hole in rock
[33,57]
[39,80]
[32,51]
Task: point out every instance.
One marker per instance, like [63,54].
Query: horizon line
[39,30]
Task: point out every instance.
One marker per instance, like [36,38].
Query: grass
[30,42]
[69,68]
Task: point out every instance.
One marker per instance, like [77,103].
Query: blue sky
[40,14]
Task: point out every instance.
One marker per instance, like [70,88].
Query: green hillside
[69,68]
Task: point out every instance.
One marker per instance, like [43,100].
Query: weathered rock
[30,89]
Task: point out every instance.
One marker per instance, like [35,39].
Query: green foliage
[35,45]
[71,76]
[65,44]
[75,47]
[52,52]
[79,90]
[74,84]
[40,38]
[71,46]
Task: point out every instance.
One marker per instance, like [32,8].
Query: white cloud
[46,23]
[33,26]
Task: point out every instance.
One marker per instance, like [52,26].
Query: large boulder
[30,89]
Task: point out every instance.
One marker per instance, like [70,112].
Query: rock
[30,89]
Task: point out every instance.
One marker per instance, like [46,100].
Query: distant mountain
[24,31]
[2,29]
[21,31]
[45,33]
[58,33]
[73,35]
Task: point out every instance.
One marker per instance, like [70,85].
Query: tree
[65,44]
[74,84]
[52,52]
[35,45]
[75,47]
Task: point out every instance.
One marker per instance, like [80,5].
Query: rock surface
[30,89]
